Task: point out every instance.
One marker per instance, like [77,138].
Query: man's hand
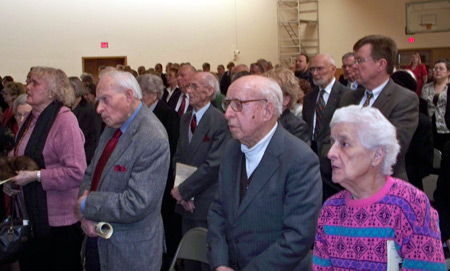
[188,205]
[224,268]
[25,177]
[88,227]
[176,195]
[77,209]
[448,243]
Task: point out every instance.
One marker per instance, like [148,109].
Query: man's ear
[269,110]
[382,64]
[129,94]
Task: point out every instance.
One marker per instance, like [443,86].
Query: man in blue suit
[265,211]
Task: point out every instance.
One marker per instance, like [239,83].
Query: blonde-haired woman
[419,70]
[52,138]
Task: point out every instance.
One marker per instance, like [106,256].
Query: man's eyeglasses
[359,60]
[439,69]
[236,105]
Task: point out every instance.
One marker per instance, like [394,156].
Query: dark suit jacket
[295,126]
[130,198]
[323,138]
[171,121]
[447,110]
[344,82]
[419,157]
[204,152]
[401,107]
[273,228]
[91,125]
[172,221]
[441,197]
[225,82]
[172,102]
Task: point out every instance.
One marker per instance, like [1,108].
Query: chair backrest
[192,246]
[437,159]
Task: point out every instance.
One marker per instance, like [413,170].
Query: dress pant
[91,253]
[59,251]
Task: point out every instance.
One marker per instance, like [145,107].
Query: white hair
[212,81]
[151,84]
[124,80]
[373,130]
[330,59]
[273,93]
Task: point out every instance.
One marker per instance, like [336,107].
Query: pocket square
[206,138]
[120,168]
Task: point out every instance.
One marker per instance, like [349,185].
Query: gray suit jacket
[130,193]
[273,228]
[401,107]
[204,152]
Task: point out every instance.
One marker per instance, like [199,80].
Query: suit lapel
[236,179]
[124,141]
[357,97]
[184,136]
[201,131]
[330,107]
[384,96]
[263,173]
[310,108]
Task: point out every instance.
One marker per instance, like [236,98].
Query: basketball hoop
[427,26]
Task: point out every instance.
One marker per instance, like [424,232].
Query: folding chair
[192,247]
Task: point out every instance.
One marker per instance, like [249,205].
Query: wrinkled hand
[176,195]
[77,209]
[11,189]
[224,268]
[88,227]
[25,177]
[188,205]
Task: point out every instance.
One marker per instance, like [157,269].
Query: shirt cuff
[83,204]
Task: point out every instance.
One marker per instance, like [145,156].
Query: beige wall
[58,33]
[343,22]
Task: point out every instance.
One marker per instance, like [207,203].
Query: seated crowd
[288,169]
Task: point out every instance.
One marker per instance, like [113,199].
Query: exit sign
[411,40]
[104,45]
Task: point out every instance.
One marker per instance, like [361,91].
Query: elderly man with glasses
[270,192]
[201,143]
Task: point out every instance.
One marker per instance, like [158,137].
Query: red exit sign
[411,40]
[104,45]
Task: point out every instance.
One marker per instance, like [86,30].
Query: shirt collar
[329,86]
[127,123]
[260,146]
[376,91]
[199,114]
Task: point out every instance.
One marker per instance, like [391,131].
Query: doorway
[91,64]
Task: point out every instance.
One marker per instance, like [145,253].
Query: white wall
[59,33]
[343,22]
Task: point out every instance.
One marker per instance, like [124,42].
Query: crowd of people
[292,168]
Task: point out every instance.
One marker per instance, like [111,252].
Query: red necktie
[109,148]
[182,106]
[193,124]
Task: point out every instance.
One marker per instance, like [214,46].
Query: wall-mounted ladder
[298,29]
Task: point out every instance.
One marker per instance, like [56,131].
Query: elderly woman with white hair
[378,222]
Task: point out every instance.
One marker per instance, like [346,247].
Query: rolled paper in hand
[103,230]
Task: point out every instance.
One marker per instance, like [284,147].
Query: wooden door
[91,64]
